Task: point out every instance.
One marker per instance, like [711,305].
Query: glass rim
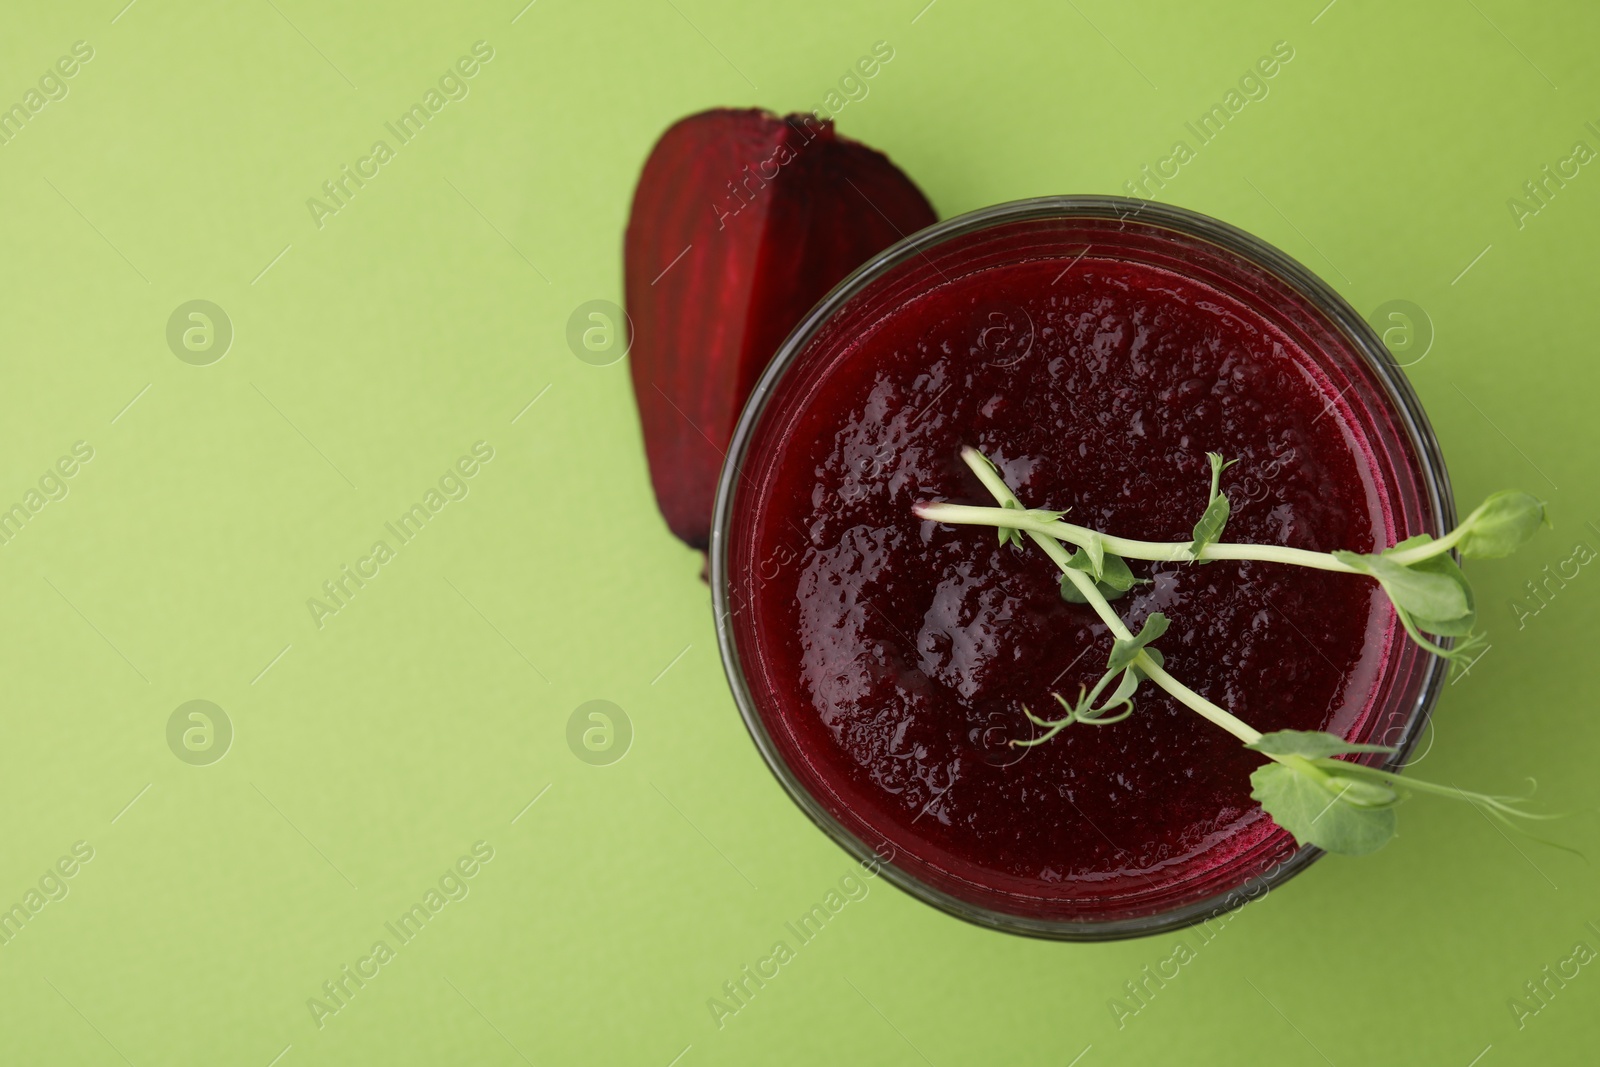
[1319,295]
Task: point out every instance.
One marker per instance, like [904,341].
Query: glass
[1368,389]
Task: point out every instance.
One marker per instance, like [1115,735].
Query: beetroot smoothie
[886,659]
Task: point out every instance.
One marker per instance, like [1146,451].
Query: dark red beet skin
[891,656]
[740,223]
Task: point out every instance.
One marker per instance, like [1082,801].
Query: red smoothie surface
[891,657]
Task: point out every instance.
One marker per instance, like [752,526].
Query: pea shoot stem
[1042,524]
[1339,805]
[1127,548]
[1060,555]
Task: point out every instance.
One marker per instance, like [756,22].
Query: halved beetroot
[741,222]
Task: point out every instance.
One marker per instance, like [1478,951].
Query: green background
[425,716]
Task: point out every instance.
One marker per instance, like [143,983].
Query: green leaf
[1424,593]
[1115,573]
[1122,698]
[1009,535]
[1208,531]
[1095,550]
[1125,688]
[1115,578]
[1501,524]
[1332,811]
[1124,650]
[1430,594]
[1309,743]
[1460,625]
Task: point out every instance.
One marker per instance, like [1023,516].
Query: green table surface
[374,346]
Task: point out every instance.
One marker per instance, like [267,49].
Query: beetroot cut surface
[741,222]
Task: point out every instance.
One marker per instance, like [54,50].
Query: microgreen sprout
[1429,593]
[1333,803]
